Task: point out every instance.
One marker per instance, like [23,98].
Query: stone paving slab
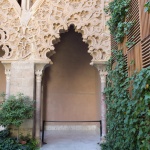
[71,140]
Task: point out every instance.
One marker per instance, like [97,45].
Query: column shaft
[38,103]
[103,73]
[7,84]
[23,4]
[38,72]
[103,105]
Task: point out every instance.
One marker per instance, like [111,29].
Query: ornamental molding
[30,34]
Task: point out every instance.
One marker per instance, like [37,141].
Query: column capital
[7,65]
[39,67]
[102,71]
[7,68]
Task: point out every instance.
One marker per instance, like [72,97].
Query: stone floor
[71,140]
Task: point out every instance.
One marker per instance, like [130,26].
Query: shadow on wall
[2,73]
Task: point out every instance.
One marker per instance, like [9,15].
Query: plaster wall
[71,85]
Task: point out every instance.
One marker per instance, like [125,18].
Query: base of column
[102,139]
[39,142]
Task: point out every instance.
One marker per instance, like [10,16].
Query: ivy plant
[117,97]
[118,10]
[128,115]
[129,44]
[138,114]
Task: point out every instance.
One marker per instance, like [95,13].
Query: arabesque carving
[34,36]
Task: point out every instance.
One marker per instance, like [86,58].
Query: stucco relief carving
[35,37]
[14,40]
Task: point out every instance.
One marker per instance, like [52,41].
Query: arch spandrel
[51,17]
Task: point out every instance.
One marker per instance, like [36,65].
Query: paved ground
[71,140]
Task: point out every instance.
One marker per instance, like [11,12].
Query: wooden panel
[144,20]
[133,15]
[138,57]
[134,59]
[146,52]
[131,57]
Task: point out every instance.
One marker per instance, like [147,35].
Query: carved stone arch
[4,47]
[54,17]
[33,33]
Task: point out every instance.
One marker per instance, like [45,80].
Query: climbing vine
[127,98]
[147,6]
[118,11]
[128,117]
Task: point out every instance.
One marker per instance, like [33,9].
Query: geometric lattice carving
[31,34]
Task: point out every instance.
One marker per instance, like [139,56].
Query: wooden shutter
[133,15]
[114,44]
[146,52]
[145,34]
[144,20]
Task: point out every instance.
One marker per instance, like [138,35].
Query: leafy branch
[147,7]
[118,11]
[15,110]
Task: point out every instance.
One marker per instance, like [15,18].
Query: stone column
[103,104]
[8,74]
[38,73]
[102,72]
[28,4]
[23,4]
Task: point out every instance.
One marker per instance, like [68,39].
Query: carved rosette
[32,34]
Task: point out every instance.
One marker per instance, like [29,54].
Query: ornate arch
[33,34]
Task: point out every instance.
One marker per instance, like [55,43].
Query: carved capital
[101,67]
[7,66]
[39,71]
[38,74]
